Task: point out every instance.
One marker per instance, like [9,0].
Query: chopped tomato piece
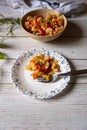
[42,32]
[38,67]
[34,75]
[48,25]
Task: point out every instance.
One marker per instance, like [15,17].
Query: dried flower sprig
[2,55]
[11,26]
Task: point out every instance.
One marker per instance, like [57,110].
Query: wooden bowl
[43,12]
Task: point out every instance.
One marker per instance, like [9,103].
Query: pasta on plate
[42,65]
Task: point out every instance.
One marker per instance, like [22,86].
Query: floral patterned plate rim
[22,79]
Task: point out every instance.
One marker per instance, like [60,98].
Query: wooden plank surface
[18,111]
[66,111]
[71,48]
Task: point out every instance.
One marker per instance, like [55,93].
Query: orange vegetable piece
[34,75]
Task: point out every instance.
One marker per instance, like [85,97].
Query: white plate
[24,81]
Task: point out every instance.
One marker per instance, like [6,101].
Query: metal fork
[55,77]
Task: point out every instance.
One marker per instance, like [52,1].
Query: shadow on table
[3,45]
[73,30]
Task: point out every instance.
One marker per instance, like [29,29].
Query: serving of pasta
[42,65]
[44,26]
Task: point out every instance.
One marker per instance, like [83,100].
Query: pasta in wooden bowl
[44,24]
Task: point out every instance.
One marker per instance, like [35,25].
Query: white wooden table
[67,111]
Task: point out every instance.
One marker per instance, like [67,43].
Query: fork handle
[76,72]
